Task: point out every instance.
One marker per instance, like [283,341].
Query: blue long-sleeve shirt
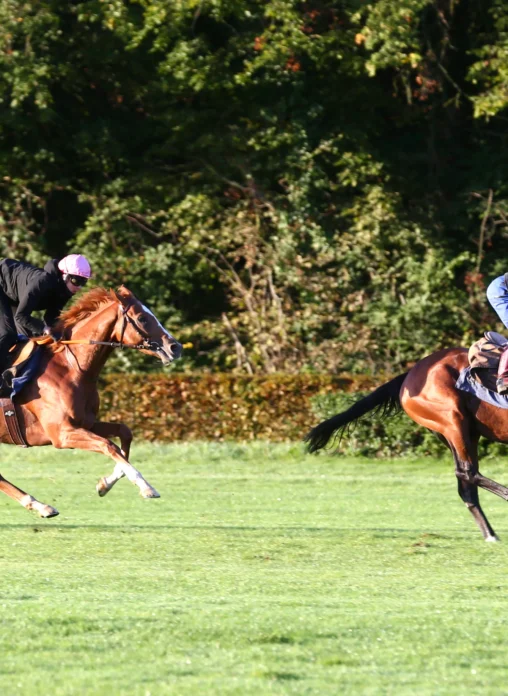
[497,295]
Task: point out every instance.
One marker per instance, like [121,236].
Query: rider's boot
[502,373]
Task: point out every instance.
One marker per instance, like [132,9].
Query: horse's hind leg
[492,486]
[124,434]
[79,438]
[26,500]
[469,494]
[119,430]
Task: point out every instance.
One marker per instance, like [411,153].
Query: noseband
[145,343]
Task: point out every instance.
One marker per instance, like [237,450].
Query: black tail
[383,401]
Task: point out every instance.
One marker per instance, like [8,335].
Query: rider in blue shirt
[497,295]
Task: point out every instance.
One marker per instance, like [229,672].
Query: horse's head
[138,325]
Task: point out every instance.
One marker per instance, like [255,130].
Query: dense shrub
[218,406]
[277,407]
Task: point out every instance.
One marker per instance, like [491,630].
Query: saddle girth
[10,418]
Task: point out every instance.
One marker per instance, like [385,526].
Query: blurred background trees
[292,186]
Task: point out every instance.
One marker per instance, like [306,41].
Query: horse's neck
[99,326]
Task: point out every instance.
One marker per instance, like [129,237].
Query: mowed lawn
[261,570]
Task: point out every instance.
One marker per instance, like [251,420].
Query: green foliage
[392,35]
[18,228]
[490,71]
[290,186]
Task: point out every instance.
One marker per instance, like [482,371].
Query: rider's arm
[53,313]
[28,303]
[497,295]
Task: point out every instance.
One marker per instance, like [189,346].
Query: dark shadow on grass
[281,676]
[275,639]
[127,529]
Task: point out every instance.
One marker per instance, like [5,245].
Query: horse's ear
[123,294]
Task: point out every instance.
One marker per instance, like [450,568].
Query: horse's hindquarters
[428,394]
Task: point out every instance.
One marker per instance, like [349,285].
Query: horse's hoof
[102,487]
[149,493]
[48,511]
[492,539]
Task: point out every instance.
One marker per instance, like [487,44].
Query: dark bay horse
[428,395]
[59,406]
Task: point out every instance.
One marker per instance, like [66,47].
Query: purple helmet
[75,264]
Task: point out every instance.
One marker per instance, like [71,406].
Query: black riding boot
[5,389]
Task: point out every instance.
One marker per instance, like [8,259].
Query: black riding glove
[55,335]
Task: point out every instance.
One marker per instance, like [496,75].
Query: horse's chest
[88,420]
[86,415]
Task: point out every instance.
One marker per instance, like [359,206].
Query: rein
[111,344]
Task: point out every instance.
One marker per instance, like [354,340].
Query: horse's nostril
[176,349]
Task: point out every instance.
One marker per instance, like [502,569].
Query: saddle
[484,358]
[19,354]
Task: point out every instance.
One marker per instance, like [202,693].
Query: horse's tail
[384,401]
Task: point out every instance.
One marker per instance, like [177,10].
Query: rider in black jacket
[25,289]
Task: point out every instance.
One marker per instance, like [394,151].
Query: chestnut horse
[59,405]
[428,395]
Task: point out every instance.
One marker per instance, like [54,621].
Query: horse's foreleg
[79,438]
[26,500]
[119,430]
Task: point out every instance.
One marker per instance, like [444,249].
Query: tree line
[291,186]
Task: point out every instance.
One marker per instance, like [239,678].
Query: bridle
[144,344]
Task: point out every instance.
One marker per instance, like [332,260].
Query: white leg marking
[30,503]
[107,482]
[27,501]
[135,477]
[125,469]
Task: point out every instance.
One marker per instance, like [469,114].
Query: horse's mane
[86,304]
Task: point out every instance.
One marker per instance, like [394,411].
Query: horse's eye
[143,319]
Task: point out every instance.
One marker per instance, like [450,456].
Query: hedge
[278,408]
[219,406]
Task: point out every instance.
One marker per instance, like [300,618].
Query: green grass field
[260,571]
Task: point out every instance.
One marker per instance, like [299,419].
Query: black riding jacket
[30,289]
